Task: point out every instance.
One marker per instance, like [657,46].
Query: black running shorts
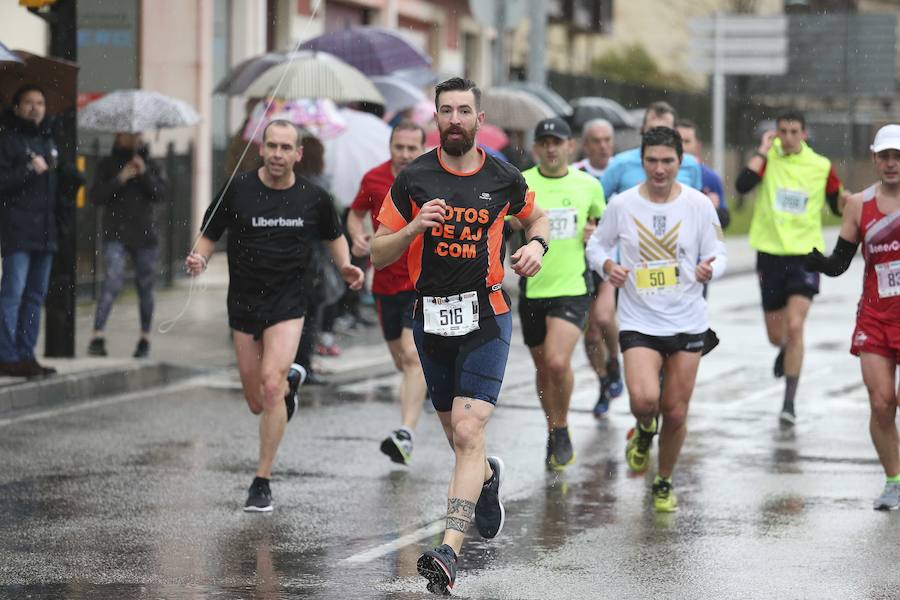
[783,276]
[255,327]
[666,345]
[533,313]
[395,313]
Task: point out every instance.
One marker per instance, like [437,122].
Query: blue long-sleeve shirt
[626,170]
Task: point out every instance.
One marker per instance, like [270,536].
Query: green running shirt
[569,201]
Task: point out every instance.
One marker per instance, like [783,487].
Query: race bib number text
[656,277]
[888,279]
[791,201]
[563,223]
[452,315]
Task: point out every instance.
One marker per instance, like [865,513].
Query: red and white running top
[880,235]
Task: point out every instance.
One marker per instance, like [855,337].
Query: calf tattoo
[459,514]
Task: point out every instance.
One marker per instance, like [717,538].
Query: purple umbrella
[372,50]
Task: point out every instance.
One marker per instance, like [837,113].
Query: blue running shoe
[602,406]
[615,388]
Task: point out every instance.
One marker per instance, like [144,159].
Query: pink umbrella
[320,117]
[489,135]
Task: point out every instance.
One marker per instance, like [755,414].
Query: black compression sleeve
[833,265]
[747,180]
[832,200]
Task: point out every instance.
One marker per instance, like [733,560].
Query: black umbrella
[58,79]
[596,107]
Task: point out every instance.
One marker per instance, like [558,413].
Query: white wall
[21,30]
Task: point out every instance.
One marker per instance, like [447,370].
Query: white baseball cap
[888,137]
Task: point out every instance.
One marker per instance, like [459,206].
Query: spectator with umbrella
[127,184]
[30,220]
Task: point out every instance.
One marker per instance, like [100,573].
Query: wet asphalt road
[140,496]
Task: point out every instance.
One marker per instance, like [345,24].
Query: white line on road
[429,530]
[128,397]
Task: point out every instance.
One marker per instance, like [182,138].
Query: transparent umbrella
[133,111]
[514,109]
[398,94]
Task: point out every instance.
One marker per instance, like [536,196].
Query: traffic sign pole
[718,100]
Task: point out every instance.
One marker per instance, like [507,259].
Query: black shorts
[533,313]
[783,276]
[395,313]
[666,345]
[598,281]
[255,327]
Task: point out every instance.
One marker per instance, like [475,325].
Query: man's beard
[460,146]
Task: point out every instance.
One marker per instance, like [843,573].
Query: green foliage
[633,64]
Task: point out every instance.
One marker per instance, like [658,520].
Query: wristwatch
[541,241]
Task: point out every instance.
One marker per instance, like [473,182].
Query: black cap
[553,126]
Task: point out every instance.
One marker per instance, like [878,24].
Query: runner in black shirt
[448,207]
[272,218]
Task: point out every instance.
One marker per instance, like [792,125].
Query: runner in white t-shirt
[670,244]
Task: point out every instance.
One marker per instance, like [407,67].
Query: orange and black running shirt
[465,253]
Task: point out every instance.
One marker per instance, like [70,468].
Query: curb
[72,388]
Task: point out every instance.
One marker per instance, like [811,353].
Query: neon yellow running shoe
[637,449]
[664,500]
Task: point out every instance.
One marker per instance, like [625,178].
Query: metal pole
[500,74]
[718,97]
[59,307]
[537,67]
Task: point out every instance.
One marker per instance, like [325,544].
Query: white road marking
[128,397]
[429,530]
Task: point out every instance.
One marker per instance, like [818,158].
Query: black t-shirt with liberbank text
[466,252]
[271,236]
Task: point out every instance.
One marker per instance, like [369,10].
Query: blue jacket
[626,170]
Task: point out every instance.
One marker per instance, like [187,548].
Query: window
[592,16]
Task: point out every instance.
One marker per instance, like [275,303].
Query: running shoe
[438,566]
[602,406]
[614,376]
[328,350]
[97,347]
[889,498]
[295,377]
[489,512]
[398,446]
[778,367]
[142,350]
[664,500]
[561,452]
[637,448]
[787,416]
[616,387]
[259,497]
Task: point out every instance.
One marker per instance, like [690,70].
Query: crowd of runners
[617,248]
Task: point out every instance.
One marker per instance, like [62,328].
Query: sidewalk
[199,342]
